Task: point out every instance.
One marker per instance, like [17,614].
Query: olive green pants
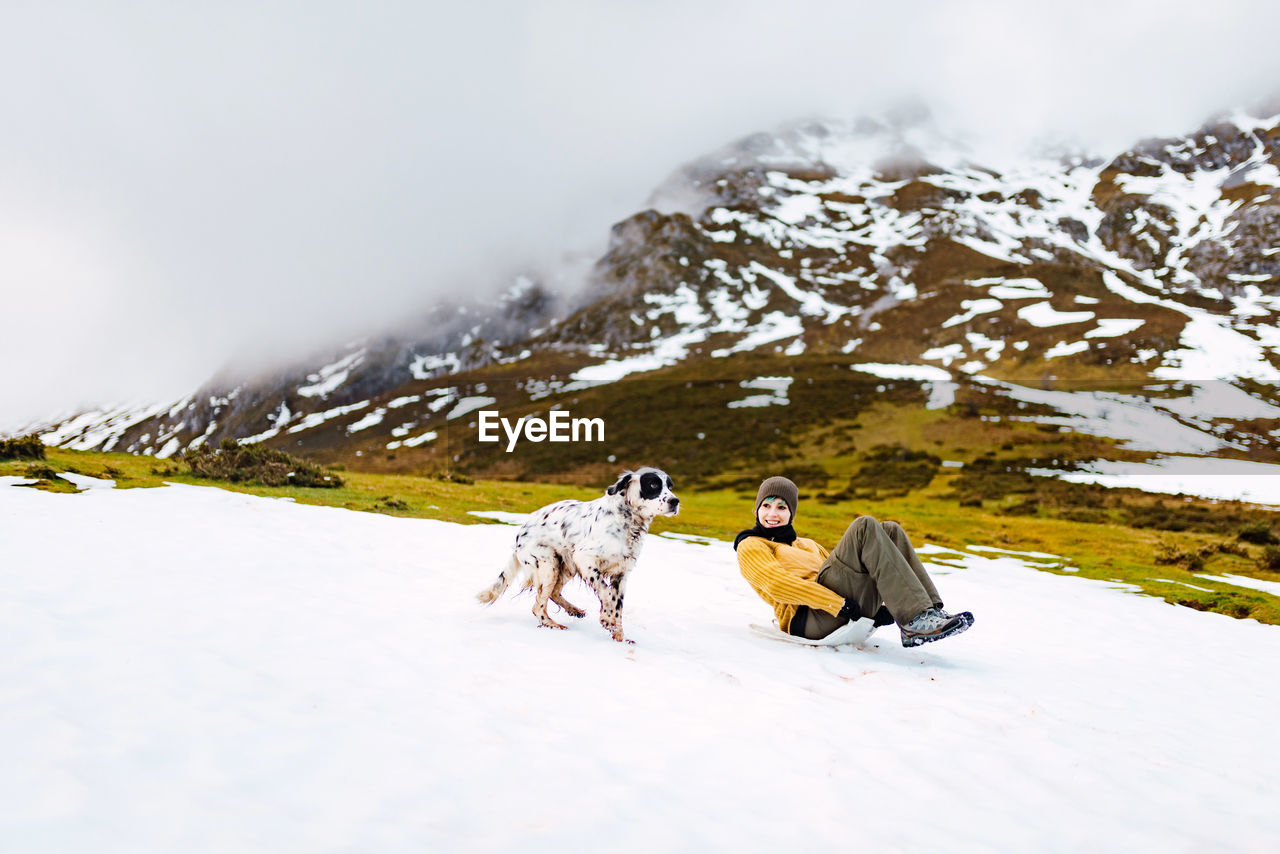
[873,563]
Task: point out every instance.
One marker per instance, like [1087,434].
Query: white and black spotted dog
[598,541]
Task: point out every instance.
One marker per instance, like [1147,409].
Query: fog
[184,186]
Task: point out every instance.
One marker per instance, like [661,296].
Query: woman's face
[774,512]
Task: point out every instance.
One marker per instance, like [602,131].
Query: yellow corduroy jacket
[786,576]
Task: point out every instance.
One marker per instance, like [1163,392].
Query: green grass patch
[1163,563]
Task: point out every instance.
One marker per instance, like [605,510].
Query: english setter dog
[597,541]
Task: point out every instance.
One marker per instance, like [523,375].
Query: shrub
[1192,561]
[893,470]
[392,503]
[1270,559]
[1258,533]
[22,448]
[255,463]
[1088,515]
[1230,604]
[1233,549]
[991,479]
[1029,506]
[1181,517]
[807,475]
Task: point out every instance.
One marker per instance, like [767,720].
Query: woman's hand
[850,611]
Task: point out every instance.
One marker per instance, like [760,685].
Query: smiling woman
[872,573]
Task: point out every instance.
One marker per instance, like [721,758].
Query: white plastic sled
[850,634]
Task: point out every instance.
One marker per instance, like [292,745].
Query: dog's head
[649,490]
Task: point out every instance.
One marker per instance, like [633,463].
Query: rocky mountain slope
[812,274]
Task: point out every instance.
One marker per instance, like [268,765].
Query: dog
[598,541]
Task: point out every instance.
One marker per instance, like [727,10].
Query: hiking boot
[933,624]
[964,615]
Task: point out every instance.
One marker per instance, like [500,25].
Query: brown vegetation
[254,463]
[22,448]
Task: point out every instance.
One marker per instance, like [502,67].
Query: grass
[396,495]
[1162,563]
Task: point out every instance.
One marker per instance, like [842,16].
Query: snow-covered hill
[875,242]
[188,669]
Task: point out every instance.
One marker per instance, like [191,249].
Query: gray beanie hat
[782,488]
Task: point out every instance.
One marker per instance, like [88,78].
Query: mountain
[801,280]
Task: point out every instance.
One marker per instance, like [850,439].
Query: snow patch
[372,419]
[972,308]
[775,386]
[1271,587]
[1212,350]
[1044,315]
[774,326]
[468,405]
[1135,421]
[84,482]
[331,376]
[1027,288]
[429,436]
[924,373]
[315,419]
[431,365]
[1206,477]
[1113,327]
[1063,348]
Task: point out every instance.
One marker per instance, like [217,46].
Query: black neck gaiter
[784,534]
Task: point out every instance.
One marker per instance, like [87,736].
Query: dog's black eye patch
[671,486]
[650,485]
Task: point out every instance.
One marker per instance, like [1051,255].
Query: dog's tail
[490,594]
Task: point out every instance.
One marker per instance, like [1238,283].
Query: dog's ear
[620,486]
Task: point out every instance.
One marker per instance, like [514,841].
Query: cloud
[185,186]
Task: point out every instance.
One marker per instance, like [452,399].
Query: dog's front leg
[612,588]
[608,589]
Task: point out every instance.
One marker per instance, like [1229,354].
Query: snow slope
[188,669]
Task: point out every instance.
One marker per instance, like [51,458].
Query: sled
[850,634]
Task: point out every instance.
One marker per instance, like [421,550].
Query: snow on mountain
[876,240]
[1242,480]
[225,672]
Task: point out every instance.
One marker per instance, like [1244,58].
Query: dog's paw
[550,624]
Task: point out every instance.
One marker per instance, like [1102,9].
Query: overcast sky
[187,184]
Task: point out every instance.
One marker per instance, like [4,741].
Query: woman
[873,571]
